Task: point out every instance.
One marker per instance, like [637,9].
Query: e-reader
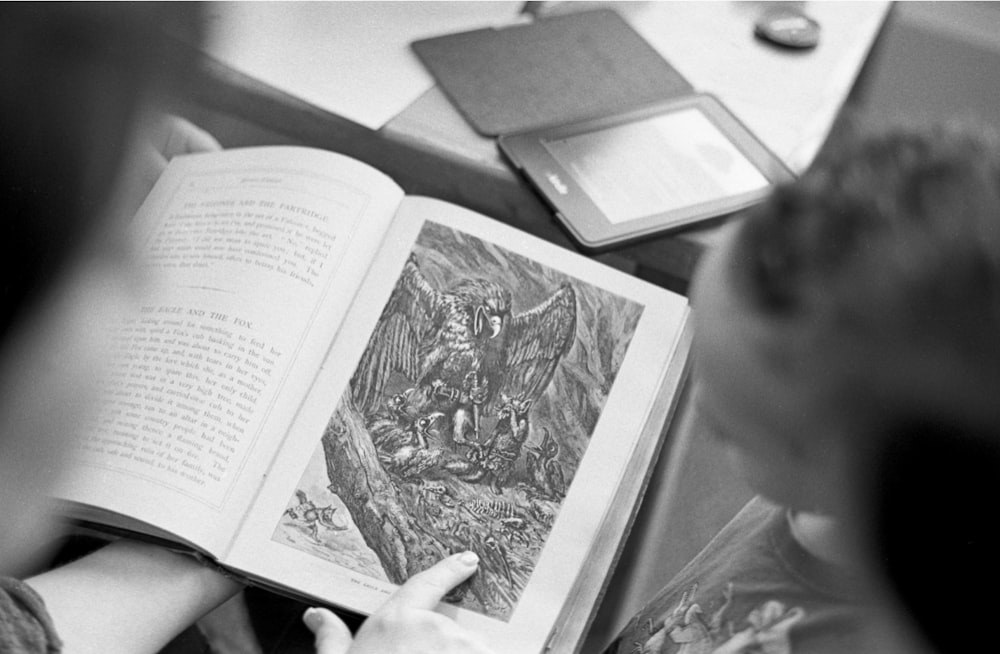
[621,178]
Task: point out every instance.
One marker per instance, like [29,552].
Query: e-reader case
[556,69]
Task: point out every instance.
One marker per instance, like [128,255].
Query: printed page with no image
[250,258]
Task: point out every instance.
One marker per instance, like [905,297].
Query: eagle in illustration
[463,347]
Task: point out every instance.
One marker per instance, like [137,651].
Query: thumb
[332,635]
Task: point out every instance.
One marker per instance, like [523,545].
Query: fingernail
[312,618]
[469,558]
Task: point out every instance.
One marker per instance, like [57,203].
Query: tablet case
[554,70]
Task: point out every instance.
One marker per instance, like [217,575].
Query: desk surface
[788,98]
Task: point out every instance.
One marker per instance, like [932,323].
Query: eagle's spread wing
[536,341]
[413,311]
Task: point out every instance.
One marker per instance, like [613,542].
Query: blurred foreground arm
[129,597]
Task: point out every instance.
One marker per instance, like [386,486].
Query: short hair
[887,241]
[863,203]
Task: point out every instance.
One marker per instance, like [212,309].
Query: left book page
[250,258]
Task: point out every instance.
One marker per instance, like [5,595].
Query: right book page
[489,391]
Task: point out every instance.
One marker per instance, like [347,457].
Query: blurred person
[76,82]
[847,353]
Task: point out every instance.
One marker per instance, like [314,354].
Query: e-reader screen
[624,177]
[660,164]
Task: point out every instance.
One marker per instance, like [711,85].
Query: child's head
[862,297]
[848,346]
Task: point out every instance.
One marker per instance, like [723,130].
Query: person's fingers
[415,631]
[175,135]
[426,589]
[331,634]
[151,164]
[187,138]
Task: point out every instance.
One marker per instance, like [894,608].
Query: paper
[350,58]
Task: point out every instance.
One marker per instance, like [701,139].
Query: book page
[489,394]
[250,258]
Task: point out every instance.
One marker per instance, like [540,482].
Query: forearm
[129,597]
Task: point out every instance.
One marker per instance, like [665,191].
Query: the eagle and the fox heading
[464,348]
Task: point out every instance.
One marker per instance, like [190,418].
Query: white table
[788,98]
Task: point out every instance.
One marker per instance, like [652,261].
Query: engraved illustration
[465,419]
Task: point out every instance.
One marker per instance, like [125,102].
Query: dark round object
[788,28]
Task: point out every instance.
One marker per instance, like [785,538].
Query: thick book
[327,386]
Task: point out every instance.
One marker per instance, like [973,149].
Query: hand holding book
[407,622]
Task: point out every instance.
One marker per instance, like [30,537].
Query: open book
[329,386]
